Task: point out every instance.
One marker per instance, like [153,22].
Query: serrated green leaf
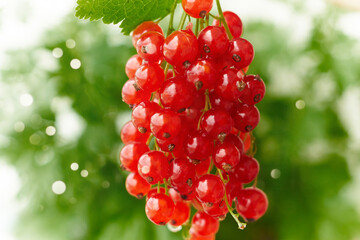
[129,12]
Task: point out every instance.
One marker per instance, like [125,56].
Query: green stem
[171,22]
[158,187]
[221,14]
[241,225]
[206,108]
[166,70]
[212,15]
[197,25]
[149,140]
[182,20]
[166,186]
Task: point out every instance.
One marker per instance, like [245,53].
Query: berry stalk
[221,14]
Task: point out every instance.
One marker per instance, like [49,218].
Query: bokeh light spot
[57,52]
[35,139]
[74,166]
[84,173]
[75,64]
[19,126]
[300,104]
[50,130]
[275,173]
[70,43]
[58,187]
[26,100]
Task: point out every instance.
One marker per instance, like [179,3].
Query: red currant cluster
[189,141]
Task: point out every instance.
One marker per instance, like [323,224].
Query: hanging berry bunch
[190,140]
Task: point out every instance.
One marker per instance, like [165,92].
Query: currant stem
[182,20]
[158,187]
[206,108]
[197,27]
[241,225]
[149,140]
[166,186]
[171,22]
[213,16]
[221,14]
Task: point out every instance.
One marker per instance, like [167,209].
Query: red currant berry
[240,53]
[204,225]
[150,46]
[254,90]
[143,28]
[246,138]
[177,94]
[153,166]
[234,23]
[202,167]
[217,123]
[235,140]
[251,203]
[155,191]
[149,77]
[180,49]
[245,117]
[247,170]
[219,102]
[226,156]
[210,189]
[173,145]
[159,208]
[183,174]
[133,65]
[198,146]
[218,210]
[181,214]
[197,8]
[229,86]
[175,195]
[232,188]
[165,124]
[142,114]
[129,134]
[133,96]
[193,236]
[130,154]
[212,41]
[136,185]
[203,74]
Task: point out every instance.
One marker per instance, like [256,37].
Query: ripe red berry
[181,214]
[149,77]
[198,146]
[247,170]
[232,188]
[180,49]
[202,167]
[226,156]
[235,140]
[218,210]
[197,8]
[129,134]
[210,189]
[229,86]
[133,96]
[154,190]
[245,117]
[183,175]
[217,123]
[143,28]
[136,185]
[204,225]
[175,195]
[234,23]
[177,94]
[130,154]
[165,124]
[254,90]
[153,166]
[219,102]
[142,114]
[150,46]
[240,53]
[202,74]
[159,208]
[213,41]
[251,203]
[174,145]
[246,138]
[132,65]
[193,236]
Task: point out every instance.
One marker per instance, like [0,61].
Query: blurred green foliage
[308,146]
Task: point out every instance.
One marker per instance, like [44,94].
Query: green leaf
[129,12]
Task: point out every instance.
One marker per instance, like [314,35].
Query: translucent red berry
[217,210]
[153,166]
[234,23]
[245,117]
[202,74]
[202,167]
[226,156]
[254,90]
[247,170]
[219,102]
[165,124]
[150,46]
[251,203]
[204,225]
[183,175]
[232,188]
[217,123]
[149,77]
[143,28]
[159,208]
[136,185]
[132,65]
[130,154]
[177,94]
[198,146]
[181,214]
[132,95]
[213,41]
[210,189]
[129,134]
[180,48]
[197,8]
[142,114]
[229,86]
[240,53]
